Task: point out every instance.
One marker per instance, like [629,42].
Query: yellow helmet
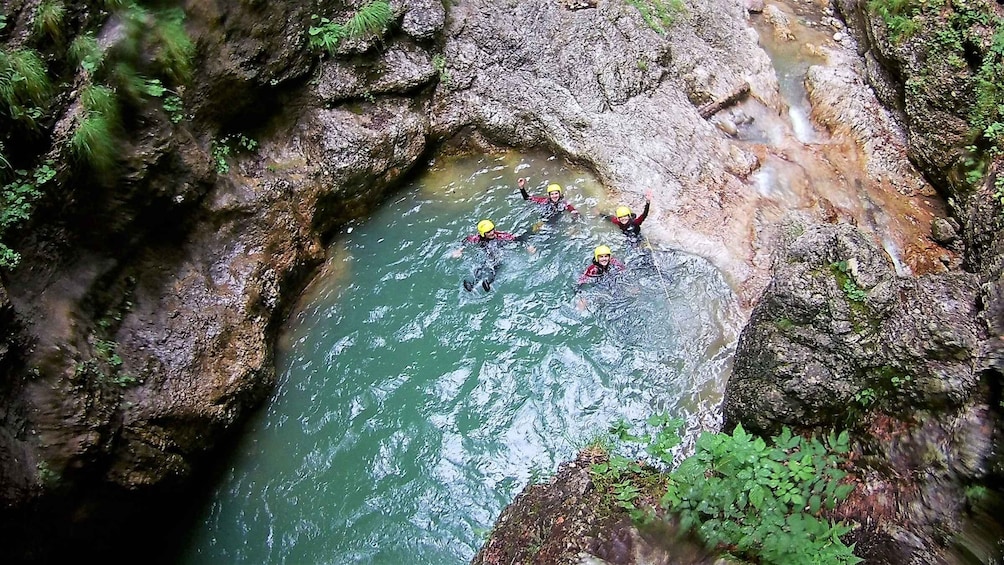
[623,211]
[485,226]
[553,188]
[601,250]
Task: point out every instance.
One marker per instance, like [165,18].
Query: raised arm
[522,188]
[644,213]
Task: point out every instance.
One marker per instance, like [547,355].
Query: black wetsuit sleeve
[644,213]
[526,195]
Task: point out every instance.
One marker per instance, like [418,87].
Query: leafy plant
[222,149]
[898,16]
[174,108]
[865,397]
[371,20]
[626,480]
[17,198]
[615,477]
[46,475]
[847,284]
[762,502]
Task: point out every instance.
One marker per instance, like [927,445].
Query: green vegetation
[887,382]
[660,15]
[370,21]
[232,143]
[152,55]
[24,86]
[94,139]
[898,16]
[85,52]
[957,31]
[174,108]
[46,475]
[865,397]
[174,50]
[49,19]
[784,324]
[439,63]
[17,198]
[847,284]
[125,68]
[758,501]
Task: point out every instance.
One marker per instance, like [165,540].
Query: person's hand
[580,304]
[531,249]
[648,195]
[521,182]
[457,252]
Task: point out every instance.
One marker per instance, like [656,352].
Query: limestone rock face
[601,86]
[839,341]
[139,328]
[836,321]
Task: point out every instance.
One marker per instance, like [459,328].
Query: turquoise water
[409,412]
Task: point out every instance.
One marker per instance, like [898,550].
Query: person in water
[603,264]
[603,267]
[553,204]
[490,241]
[630,223]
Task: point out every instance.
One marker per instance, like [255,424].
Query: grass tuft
[95,139]
[175,49]
[85,51]
[24,84]
[371,19]
[49,18]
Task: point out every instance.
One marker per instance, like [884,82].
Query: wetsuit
[549,208]
[596,271]
[631,229]
[491,246]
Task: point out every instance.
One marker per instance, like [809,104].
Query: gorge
[140,321]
